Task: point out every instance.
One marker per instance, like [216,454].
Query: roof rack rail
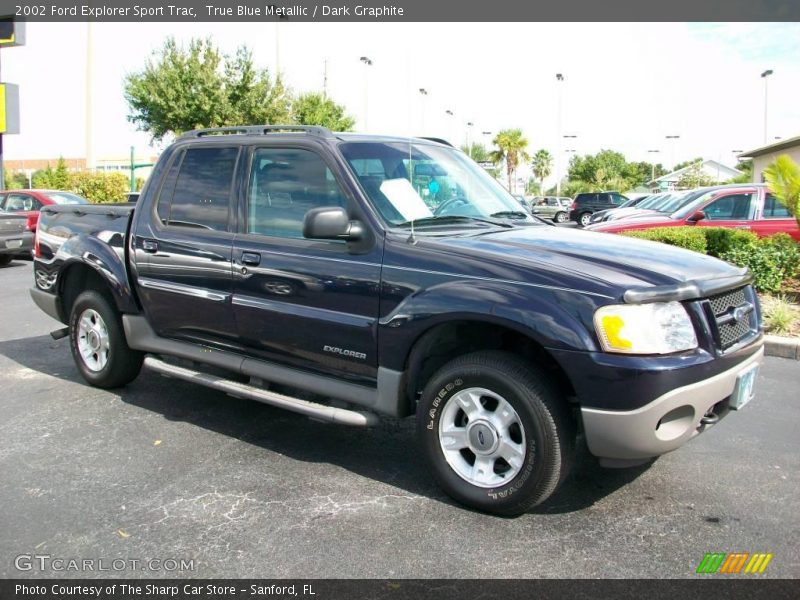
[436,139]
[316,130]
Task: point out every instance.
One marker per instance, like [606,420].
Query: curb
[781,346]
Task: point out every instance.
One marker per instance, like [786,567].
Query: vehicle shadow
[386,453]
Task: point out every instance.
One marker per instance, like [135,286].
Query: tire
[561,217]
[539,435]
[584,219]
[98,343]
[5,259]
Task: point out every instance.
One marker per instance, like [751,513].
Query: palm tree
[542,166]
[511,145]
[783,179]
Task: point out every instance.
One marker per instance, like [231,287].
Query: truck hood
[574,259]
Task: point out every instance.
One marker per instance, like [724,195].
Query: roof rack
[315,130]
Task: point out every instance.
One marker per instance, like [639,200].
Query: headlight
[657,328]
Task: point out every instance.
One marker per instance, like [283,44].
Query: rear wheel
[98,343]
[561,217]
[585,219]
[495,433]
[5,259]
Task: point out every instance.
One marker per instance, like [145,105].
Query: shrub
[780,316]
[788,251]
[691,238]
[764,262]
[99,187]
[720,240]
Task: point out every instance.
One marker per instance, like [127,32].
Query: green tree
[53,179]
[783,178]
[686,163]
[186,88]
[476,152]
[694,177]
[746,167]
[599,170]
[511,149]
[542,166]
[315,109]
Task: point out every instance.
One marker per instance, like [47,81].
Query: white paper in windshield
[405,199]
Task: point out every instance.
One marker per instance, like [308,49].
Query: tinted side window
[203,188]
[285,183]
[774,208]
[731,207]
[167,189]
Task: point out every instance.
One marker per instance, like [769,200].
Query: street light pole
[469,126]
[672,147]
[559,83]
[451,130]
[423,92]
[765,75]
[653,166]
[367,63]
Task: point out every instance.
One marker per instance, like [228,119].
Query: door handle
[150,246]
[251,258]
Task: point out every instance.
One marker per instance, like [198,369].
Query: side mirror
[697,216]
[331,223]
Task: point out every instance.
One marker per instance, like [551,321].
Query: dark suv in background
[590,202]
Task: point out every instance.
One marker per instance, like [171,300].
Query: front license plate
[745,387]
[13,243]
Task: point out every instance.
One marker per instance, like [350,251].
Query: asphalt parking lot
[167,470]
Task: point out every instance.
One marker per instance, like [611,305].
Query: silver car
[551,207]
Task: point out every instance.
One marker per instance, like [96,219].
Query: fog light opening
[675,423]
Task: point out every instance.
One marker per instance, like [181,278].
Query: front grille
[729,330]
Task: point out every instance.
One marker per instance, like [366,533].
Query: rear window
[65,198]
[197,190]
[585,198]
[774,208]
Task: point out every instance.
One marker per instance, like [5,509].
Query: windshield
[66,198]
[425,182]
[695,200]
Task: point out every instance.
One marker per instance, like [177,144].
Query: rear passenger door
[309,304]
[183,250]
[774,218]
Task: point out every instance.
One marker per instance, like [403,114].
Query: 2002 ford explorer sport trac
[393,276]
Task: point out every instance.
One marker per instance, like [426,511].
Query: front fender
[553,318]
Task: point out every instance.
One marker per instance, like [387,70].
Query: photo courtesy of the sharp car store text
[399,299]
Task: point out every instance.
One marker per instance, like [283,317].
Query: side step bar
[242,390]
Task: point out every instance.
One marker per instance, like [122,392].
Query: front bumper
[645,432]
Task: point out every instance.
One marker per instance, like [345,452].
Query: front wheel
[561,217]
[495,433]
[98,343]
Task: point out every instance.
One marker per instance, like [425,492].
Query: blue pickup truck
[393,276]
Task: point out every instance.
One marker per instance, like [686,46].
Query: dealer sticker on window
[745,387]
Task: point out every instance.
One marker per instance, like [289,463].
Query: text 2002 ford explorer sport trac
[396,276]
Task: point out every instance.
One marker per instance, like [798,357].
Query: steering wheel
[456,202]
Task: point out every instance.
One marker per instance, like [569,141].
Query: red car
[740,206]
[29,202]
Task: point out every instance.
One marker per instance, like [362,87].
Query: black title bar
[404,10]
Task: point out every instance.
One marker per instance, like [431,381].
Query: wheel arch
[447,340]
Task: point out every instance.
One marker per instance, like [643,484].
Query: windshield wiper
[441,220]
[510,214]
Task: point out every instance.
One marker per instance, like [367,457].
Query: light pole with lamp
[559,80]
[764,76]
[653,166]
[470,124]
[367,63]
[423,92]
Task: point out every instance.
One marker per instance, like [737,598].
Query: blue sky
[626,86]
